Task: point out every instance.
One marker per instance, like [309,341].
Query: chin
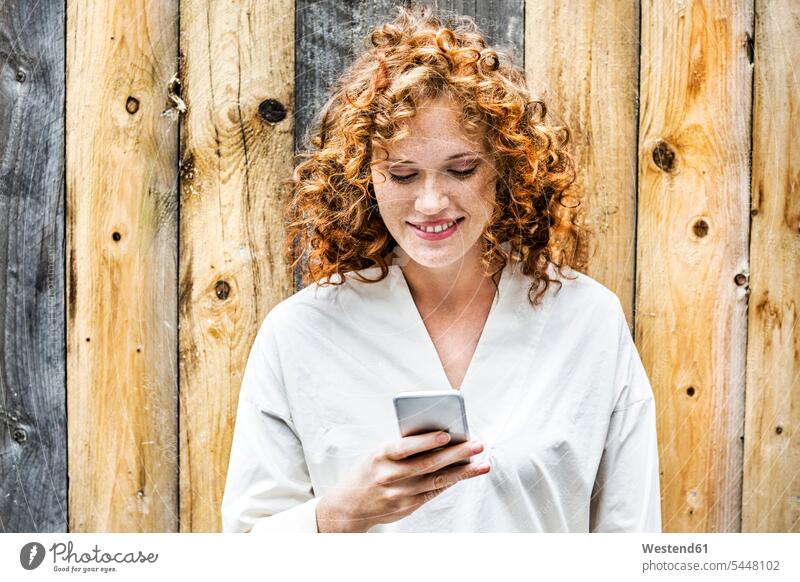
[432,257]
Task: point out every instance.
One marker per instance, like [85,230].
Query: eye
[401,179]
[464,173]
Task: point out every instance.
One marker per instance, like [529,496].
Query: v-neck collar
[498,318]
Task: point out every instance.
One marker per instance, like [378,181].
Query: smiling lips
[436,229]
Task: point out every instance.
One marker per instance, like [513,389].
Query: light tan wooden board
[693,216]
[231,265]
[771,488]
[121,314]
[581,58]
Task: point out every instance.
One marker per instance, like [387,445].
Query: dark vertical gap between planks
[636,174]
[178,162]
[752,52]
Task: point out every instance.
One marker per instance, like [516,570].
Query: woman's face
[437,176]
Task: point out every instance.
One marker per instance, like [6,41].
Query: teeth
[438,228]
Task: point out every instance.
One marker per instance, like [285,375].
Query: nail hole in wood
[21,76]
[778,429]
[132,105]
[116,236]
[20,435]
[740,279]
[690,390]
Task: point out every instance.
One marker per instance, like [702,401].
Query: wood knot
[272,110]
[20,435]
[132,105]
[222,289]
[664,156]
[700,228]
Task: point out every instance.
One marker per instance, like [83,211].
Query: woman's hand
[389,485]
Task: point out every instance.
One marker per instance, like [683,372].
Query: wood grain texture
[33,447]
[771,487]
[693,215]
[236,58]
[581,58]
[122,266]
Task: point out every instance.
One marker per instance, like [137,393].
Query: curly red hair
[332,214]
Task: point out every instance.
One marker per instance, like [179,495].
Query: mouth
[436,230]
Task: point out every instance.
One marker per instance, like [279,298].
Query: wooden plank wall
[33,462]
[122,218]
[237,75]
[771,488]
[583,62]
[692,256]
[181,118]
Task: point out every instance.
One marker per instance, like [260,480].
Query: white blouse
[557,394]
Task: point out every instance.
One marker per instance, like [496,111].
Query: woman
[431,212]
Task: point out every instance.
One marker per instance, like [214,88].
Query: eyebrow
[453,157]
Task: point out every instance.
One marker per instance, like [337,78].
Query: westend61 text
[670,549]
[64,551]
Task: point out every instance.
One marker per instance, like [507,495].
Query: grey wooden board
[33,472]
[328,35]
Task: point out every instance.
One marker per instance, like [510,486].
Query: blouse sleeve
[268,486]
[626,495]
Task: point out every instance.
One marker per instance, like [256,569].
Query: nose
[432,199]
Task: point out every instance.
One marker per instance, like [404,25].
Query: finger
[446,477]
[434,461]
[411,445]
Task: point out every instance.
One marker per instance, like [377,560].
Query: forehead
[436,131]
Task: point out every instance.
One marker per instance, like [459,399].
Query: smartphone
[428,411]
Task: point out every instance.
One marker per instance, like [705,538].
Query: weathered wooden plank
[694,196]
[771,488]
[236,150]
[33,448]
[122,266]
[581,58]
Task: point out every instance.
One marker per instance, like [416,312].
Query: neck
[450,287]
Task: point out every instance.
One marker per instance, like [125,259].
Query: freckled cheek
[479,201]
[391,207]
